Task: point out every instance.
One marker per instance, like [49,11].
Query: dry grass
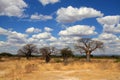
[37,69]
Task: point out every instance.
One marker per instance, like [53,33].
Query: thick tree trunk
[28,56]
[47,58]
[88,56]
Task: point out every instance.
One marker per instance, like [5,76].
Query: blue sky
[58,23]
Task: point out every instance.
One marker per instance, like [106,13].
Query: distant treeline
[6,54]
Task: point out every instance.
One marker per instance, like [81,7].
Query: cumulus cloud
[44,35]
[12,7]
[42,39]
[13,37]
[52,39]
[14,40]
[108,36]
[32,30]
[111,27]
[71,14]
[69,36]
[2,43]
[17,38]
[45,2]
[47,29]
[59,44]
[111,43]
[37,16]
[78,30]
[111,24]
[109,20]
[3,31]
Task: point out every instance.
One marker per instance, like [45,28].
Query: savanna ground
[76,69]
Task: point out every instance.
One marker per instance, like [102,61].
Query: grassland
[77,69]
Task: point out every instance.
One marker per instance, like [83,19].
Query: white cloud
[3,31]
[68,39]
[37,16]
[109,20]
[108,36]
[111,24]
[111,28]
[13,37]
[32,30]
[71,14]
[17,38]
[111,43]
[47,29]
[14,40]
[45,2]
[52,39]
[59,44]
[78,30]
[69,36]
[44,35]
[12,7]
[2,43]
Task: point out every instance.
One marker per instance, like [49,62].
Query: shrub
[6,54]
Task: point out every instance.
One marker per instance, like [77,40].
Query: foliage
[27,50]
[66,52]
[46,52]
[87,46]
[6,54]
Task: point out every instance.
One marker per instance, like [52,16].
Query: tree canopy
[27,50]
[87,46]
[46,52]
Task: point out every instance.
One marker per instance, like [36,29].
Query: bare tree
[87,46]
[46,52]
[27,50]
[66,53]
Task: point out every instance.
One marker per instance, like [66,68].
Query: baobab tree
[87,46]
[46,52]
[66,53]
[27,50]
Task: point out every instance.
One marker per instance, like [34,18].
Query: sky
[59,23]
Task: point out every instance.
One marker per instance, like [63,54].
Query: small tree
[46,52]
[27,50]
[66,53]
[87,46]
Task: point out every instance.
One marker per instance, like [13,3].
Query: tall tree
[87,46]
[46,52]
[66,53]
[27,50]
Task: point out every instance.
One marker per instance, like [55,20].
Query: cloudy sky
[59,23]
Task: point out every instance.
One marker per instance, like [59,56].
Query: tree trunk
[28,56]
[47,58]
[88,56]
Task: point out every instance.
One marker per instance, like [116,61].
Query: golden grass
[37,69]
